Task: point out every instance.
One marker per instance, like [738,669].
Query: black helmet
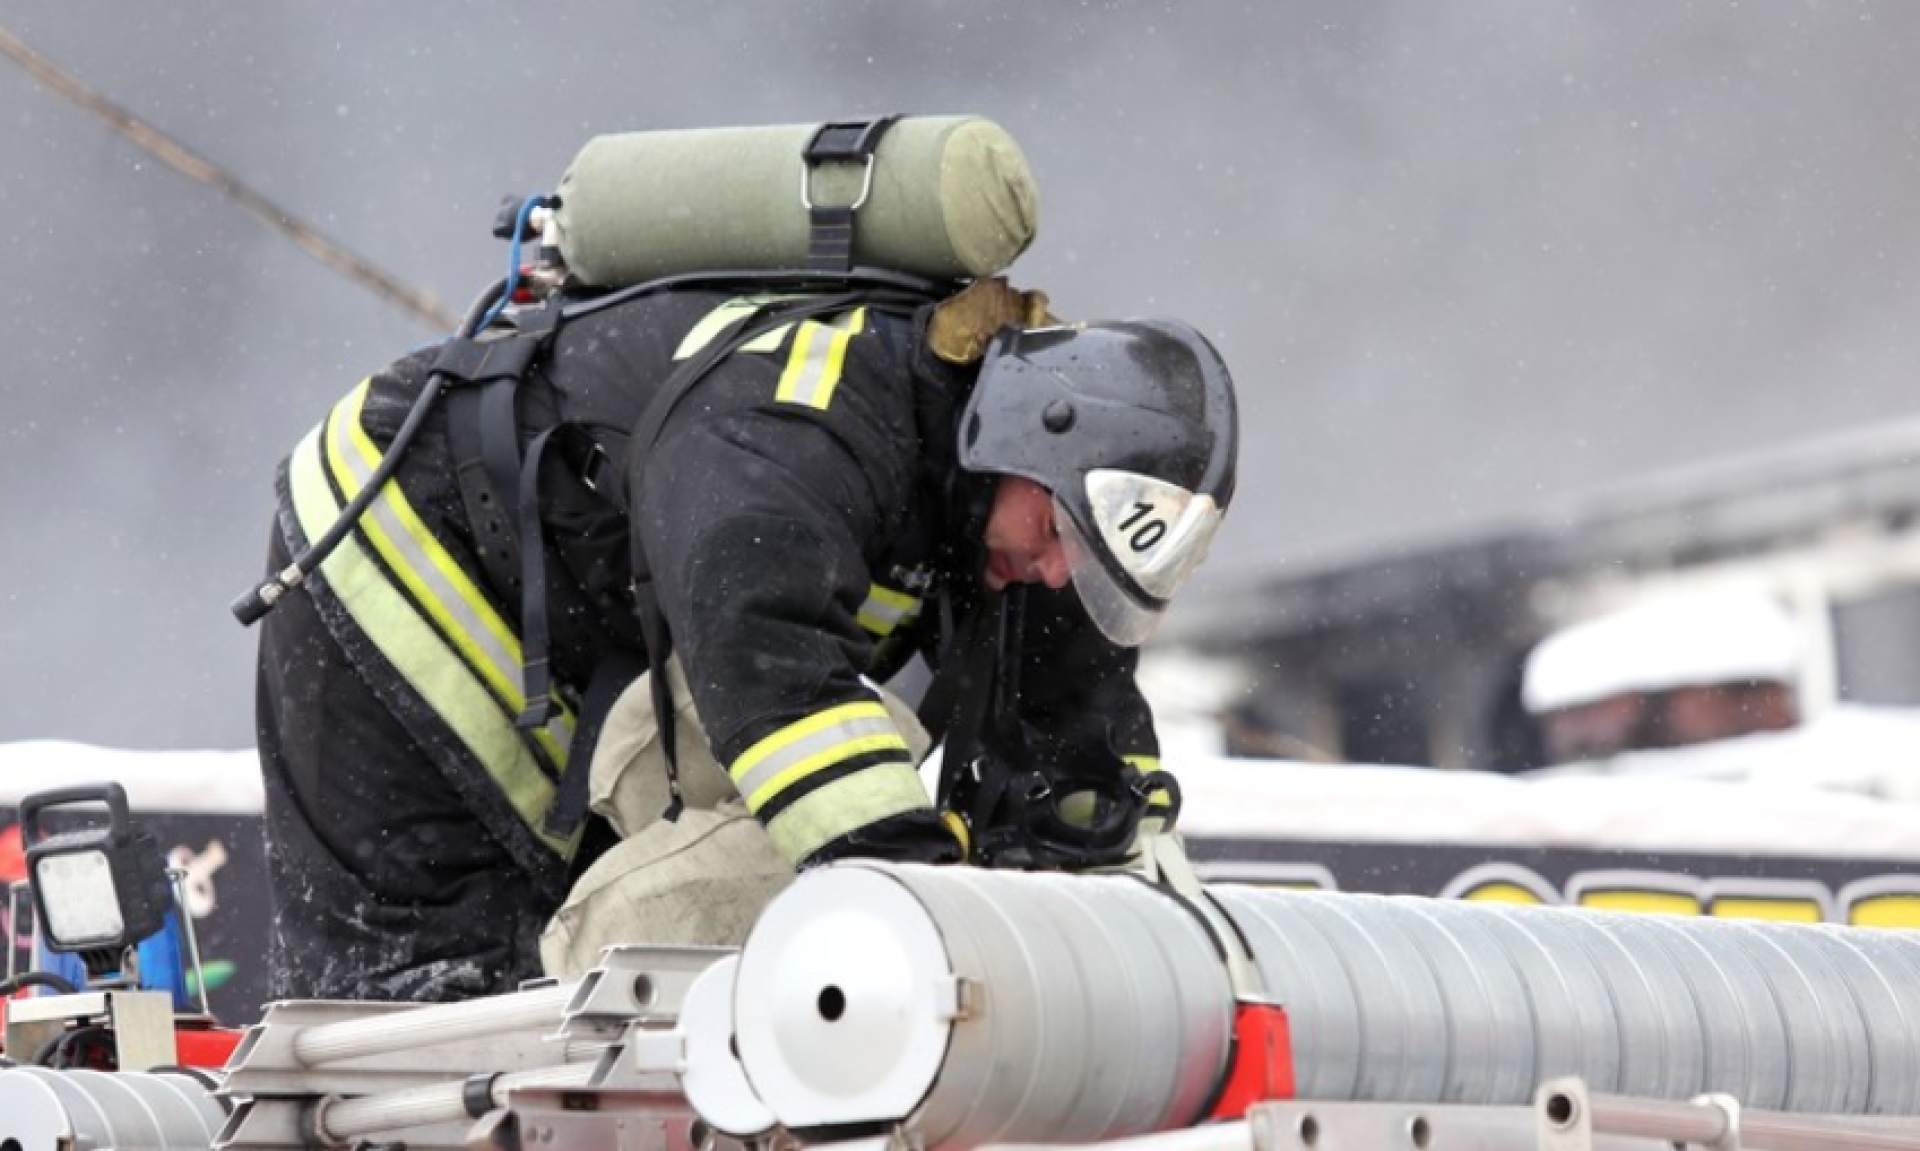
[1131,426]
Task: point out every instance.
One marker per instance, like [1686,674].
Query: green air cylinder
[951,197]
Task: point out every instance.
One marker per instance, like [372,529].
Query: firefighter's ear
[963,323]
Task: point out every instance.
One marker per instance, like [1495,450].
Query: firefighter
[833,496]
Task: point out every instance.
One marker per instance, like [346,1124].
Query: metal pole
[13,925]
[1715,1122]
[428,1026]
[1236,1136]
[339,1120]
[179,877]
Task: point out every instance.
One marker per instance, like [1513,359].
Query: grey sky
[1462,257]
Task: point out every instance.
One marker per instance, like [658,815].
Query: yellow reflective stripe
[956,826]
[1158,797]
[844,805]
[452,600]
[819,741]
[886,609]
[814,365]
[714,322]
[417,651]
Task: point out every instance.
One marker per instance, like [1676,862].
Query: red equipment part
[207,1047]
[1262,1060]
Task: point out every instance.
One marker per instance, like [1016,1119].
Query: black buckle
[846,139]
[472,361]
[842,140]
[592,468]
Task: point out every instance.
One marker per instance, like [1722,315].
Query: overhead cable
[156,143]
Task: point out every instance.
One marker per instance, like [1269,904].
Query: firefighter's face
[1023,545]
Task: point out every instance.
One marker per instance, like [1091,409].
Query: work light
[96,890]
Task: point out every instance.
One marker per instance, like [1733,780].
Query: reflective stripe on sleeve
[886,609]
[843,805]
[436,581]
[820,741]
[818,355]
[456,653]
[714,322]
[833,772]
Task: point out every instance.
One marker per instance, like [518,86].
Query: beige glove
[962,324]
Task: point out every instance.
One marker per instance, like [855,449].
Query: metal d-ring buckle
[821,147]
[597,459]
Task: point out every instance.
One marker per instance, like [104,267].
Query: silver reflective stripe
[885,610]
[419,650]
[818,355]
[435,581]
[821,740]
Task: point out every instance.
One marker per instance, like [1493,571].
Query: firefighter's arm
[752,525]
[1080,698]
[1077,689]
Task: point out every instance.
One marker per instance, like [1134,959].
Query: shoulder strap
[483,436]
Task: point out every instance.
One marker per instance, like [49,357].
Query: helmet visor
[1149,536]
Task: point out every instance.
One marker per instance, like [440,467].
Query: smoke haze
[1462,258]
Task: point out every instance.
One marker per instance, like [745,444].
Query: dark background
[1464,259]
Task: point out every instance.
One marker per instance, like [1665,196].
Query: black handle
[111,794]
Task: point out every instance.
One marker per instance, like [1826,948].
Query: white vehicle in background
[1417,655]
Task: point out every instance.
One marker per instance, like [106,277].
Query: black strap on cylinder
[829,226]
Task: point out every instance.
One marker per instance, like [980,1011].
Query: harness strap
[473,359]
[659,641]
[535,635]
[484,431]
[484,485]
[611,676]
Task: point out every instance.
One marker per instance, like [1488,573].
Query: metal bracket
[842,140]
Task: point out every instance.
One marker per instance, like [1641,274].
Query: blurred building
[1418,657]
[1671,670]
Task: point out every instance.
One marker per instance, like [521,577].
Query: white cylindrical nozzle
[982,1006]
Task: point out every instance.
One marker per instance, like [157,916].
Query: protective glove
[962,324]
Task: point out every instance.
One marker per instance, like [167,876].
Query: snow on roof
[212,782]
[1786,814]
[1319,803]
[1873,751]
[1723,636]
